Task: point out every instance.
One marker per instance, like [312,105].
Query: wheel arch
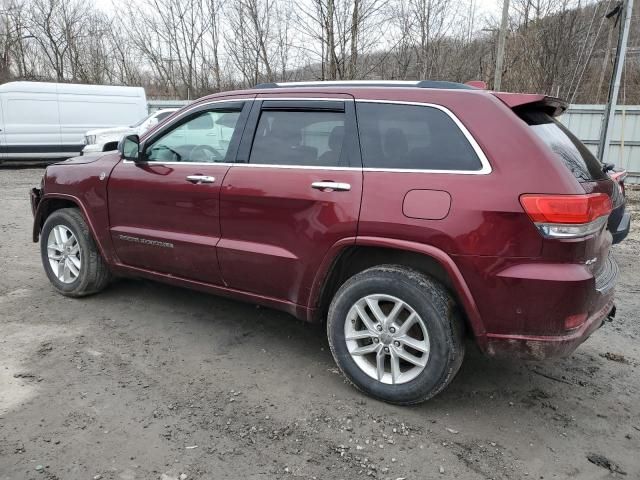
[51,203]
[345,260]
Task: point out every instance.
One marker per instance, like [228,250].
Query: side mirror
[129,148]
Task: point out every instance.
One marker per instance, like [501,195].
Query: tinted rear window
[303,138]
[571,151]
[412,137]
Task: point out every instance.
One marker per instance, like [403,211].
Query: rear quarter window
[577,158]
[412,137]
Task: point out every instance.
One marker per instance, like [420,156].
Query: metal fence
[624,151]
[154,105]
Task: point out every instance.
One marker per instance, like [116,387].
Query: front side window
[305,138]
[203,138]
[412,137]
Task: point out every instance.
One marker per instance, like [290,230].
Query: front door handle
[331,186]
[200,179]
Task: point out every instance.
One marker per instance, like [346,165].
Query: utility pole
[502,38]
[614,88]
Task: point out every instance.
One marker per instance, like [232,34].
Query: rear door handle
[335,186]
[200,179]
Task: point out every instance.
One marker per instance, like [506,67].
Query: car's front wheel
[395,334]
[70,256]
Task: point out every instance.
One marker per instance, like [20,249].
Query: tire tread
[441,301]
[96,275]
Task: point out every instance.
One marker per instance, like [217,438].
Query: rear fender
[461,289]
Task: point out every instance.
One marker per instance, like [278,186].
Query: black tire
[94,274]
[431,302]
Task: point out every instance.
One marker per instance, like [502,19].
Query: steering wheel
[163,149]
[205,153]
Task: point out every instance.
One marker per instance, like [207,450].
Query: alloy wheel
[64,254]
[387,339]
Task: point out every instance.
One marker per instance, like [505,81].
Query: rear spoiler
[551,105]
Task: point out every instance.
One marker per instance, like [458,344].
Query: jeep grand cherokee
[405,215]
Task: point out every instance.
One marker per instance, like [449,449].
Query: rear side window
[305,138]
[574,155]
[412,137]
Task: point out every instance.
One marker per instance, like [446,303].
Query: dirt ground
[146,381]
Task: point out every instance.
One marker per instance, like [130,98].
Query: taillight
[567,216]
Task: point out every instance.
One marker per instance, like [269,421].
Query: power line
[586,63]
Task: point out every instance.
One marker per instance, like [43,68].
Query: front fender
[84,186]
[51,202]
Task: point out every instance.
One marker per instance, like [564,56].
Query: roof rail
[372,83]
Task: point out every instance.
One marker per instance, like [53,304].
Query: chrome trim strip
[411,170]
[181,163]
[484,161]
[310,167]
[299,167]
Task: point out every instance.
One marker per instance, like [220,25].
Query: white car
[106,139]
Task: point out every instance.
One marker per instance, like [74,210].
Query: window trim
[245,104]
[484,161]
[253,109]
[303,105]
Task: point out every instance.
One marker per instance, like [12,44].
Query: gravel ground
[146,381]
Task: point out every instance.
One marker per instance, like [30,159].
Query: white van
[49,120]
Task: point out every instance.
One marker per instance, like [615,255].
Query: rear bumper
[535,310]
[540,347]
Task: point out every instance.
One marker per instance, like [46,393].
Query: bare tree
[55,25]
[186,48]
[252,41]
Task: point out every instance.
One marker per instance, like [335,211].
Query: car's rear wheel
[70,256]
[395,334]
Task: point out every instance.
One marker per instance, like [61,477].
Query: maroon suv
[405,214]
